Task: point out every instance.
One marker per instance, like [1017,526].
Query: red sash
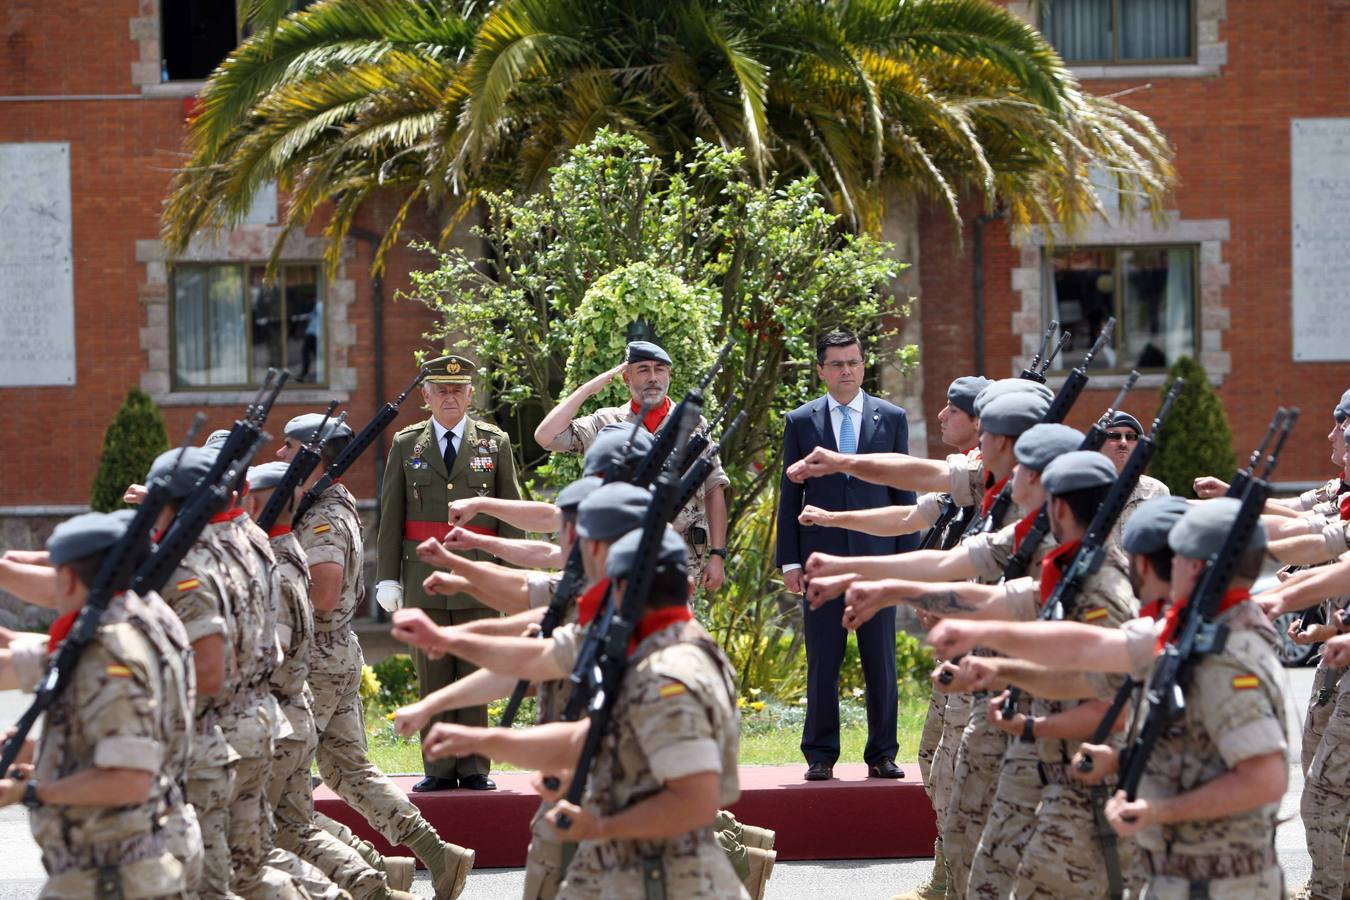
[588,605]
[60,628]
[1231,598]
[1022,529]
[654,417]
[420,531]
[657,620]
[279,530]
[228,515]
[1053,566]
[989,495]
[1152,610]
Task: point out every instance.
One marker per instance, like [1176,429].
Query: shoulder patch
[322,529]
[117,671]
[1245,682]
[672,690]
[187,584]
[1095,613]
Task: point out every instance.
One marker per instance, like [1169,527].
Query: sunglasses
[1124,437]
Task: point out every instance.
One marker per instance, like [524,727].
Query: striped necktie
[848,438]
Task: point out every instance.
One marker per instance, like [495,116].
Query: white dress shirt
[457,433]
[854,408]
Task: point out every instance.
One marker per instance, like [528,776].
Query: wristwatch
[30,797]
[720,551]
[1029,730]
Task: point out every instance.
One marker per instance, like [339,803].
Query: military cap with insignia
[303,427]
[1013,413]
[644,351]
[962,392]
[1077,471]
[1150,523]
[1124,418]
[194,464]
[623,553]
[1041,444]
[267,476]
[1201,532]
[608,447]
[84,535]
[571,496]
[450,369]
[1005,386]
[1342,410]
[612,510]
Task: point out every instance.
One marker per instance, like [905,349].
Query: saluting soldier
[448,457]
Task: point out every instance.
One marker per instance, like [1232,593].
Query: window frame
[1193,10]
[1048,311]
[177,386]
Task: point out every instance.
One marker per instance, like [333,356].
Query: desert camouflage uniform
[117,713]
[675,716]
[1326,769]
[1146,489]
[544,858]
[1325,493]
[577,438]
[1228,719]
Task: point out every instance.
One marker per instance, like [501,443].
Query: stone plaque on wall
[1320,232]
[37,289]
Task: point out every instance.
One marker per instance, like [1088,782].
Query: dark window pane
[196,35]
[1079,29]
[1082,298]
[1159,306]
[265,323]
[305,325]
[1155,29]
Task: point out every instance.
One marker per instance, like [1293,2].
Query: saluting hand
[444,584]
[953,637]
[818,564]
[815,464]
[1207,486]
[814,515]
[863,600]
[415,628]
[433,553]
[822,590]
[410,719]
[460,512]
[461,539]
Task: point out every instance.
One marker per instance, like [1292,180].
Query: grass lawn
[769,737]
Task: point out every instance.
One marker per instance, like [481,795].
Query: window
[1150,290]
[1119,31]
[230,325]
[198,34]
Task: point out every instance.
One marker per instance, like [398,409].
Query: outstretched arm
[881,521]
[1304,550]
[477,689]
[523,552]
[897,470]
[1065,645]
[550,747]
[35,584]
[527,515]
[516,657]
[963,599]
[1306,589]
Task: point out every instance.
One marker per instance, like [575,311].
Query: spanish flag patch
[1092,615]
[189,584]
[117,672]
[1245,682]
[323,529]
[672,690]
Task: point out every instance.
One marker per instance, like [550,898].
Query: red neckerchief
[1022,528]
[228,515]
[657,620]
[1231,598]
[1152,610]
[973,448]
[588,606]
[654,417]
[279,530]
[1345,507]
[989,495]
[60,628]
[1053,566]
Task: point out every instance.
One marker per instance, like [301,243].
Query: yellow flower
[740,703]
[757,705]
[389,716]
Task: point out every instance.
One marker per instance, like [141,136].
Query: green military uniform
[414,505]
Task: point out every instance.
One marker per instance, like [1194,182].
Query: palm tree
[440,101]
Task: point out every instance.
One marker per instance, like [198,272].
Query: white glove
[389,594]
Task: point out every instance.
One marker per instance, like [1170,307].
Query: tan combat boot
[399,872]
[761,867]
[449,864]
[759,838]
[935,888]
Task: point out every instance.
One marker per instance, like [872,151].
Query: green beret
[266,476]
[1342,410]
[1148,526]
[623,553]
[196,462]
[643,351]
[1077,471]
[572,495]
[450,370]
[963,391]
[608,447]
[217,439]
[303,428]
[612,510]
[84,536]
[1009,386]
[1124,418]
[1013,413]
[1201,532]
[1041,444]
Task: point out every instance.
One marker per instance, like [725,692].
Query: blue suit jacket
[884,430]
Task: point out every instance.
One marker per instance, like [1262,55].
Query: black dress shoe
[885,769]
[819,771]
[433,783]
[477,783]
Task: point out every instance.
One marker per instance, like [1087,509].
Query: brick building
[93,99]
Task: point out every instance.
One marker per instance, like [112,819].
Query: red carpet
[851,817]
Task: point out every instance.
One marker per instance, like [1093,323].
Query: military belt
[1211,867]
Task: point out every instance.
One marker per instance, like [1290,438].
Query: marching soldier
[450,456]
[1122,433]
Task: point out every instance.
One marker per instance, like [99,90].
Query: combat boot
[935,888]
[761,867]
[399,872]
[449,864]
[759,838]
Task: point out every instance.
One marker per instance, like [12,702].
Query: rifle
[702,466]
[1033,370]
[1199,633]
[113,574]
[350,453]
[302,464]
[699,442]
[663,444]
[1092,550]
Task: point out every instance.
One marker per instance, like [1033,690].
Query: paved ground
[21,873]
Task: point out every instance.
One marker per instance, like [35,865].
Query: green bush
[131,443]
[1196,439]
[397,681]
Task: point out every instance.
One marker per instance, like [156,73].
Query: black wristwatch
[1029,730]
[719,551]
[30,797]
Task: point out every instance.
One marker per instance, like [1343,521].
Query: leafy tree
[131,443]
[1196,438]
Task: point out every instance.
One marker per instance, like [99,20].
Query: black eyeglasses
[1124,437]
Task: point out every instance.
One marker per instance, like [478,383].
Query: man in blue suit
[848,420]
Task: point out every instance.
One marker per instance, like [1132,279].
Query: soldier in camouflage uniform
[1122,433]
[646,372]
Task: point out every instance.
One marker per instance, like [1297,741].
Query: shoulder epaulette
[492,427]
[408,429]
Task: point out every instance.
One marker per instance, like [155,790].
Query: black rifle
[702,466]
[1199,633]
[1092,550]
[114,573]
[358,445]
[304,462]
[663,445]
[699,442]
[1033,370]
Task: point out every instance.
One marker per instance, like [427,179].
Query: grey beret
[572,495]
[1010,386]
[196,462]
[1040,444]
[1012,414]
[641,351]
[1148,526]
[623,552]
[1201,532]
[1124,418]
[266,476]
[964,390]
[83,536]
[302,428]
[217,439]
[612,510]
[609,443]
[1342,410]
[1077,471]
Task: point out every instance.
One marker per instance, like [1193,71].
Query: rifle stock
[302,464]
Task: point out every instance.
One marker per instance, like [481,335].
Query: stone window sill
[173,89]
[1117,72]
[1114,381]
[298,397]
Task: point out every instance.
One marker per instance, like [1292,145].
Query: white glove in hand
[389,594]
